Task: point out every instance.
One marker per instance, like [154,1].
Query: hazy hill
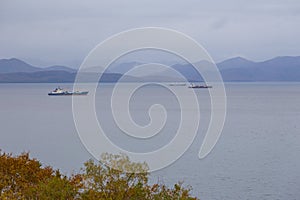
[237,62]
[284,68]
[59,68]
[15,65]
[37,77]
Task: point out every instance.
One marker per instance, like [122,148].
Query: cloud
[63,32]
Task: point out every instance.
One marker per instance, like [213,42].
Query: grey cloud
[63,32]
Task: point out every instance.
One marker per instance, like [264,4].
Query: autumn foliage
[22,177]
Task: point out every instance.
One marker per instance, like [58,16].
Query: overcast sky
[63,32]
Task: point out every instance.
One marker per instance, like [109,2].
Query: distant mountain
[237,62]
[284,68]
[60,77]
[122,68]
[17,71]
[188,71]
[15,65]
[59,68]
[37,77]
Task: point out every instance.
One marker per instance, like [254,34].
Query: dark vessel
[200,86]
[61,92]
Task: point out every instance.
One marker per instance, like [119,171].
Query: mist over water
[257,156]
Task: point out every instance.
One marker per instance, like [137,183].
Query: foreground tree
[114,177]
[20,174]
[107,179]
[24,178]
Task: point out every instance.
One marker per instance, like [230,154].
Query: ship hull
[68,94]
[200,86]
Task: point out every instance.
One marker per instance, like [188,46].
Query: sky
[63,32]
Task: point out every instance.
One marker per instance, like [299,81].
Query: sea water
[256,157]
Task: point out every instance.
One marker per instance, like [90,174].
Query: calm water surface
[257,156]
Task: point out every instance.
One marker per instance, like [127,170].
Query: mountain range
[283,68]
